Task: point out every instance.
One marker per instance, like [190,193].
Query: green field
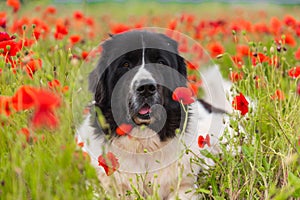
[48,164]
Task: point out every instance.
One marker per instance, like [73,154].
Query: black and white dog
[133,84]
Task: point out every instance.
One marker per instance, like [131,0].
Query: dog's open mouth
[143,116]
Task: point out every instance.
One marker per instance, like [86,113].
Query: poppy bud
[272,50]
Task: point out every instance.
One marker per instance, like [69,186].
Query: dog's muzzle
[146,88]
[145,95]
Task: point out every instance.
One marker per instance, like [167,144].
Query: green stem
[185,109]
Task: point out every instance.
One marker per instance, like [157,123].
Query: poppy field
[43,46]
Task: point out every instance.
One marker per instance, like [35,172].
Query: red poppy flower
[203,141]
[84,54]
[18,24]
[109,162]
[278,95]
[5,105]
[78,15]
[235,27]
[276,25]
[259,58]
[189,18]
[65,89]
[50,10]
[80,144]
[61,31]
[183,48]
[23,98]
[297,31]
[74,39]
[289,20]
[193,84]
[172,24]
[90,21]
[243,50]
[42,28]
[36,33]
[290,40]
[297,54]
[4,36]
[15,4]
[240,103]
[261,27]
[12,63]
[26,43]
[197,49]
[37,8]
[237,60]
[53,84]
[198,34]
[91,34]
[215,49]
[184,95]
[192,65]
[124,129]
[294,72]
[43,116]
[119,28]
[235,76]
[45,103]
[194,88]
[32,66]
[8,46]
[3,20]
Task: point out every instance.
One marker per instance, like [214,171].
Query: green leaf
[101,119]
[201,190]
[295,182]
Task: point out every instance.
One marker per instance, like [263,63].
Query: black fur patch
[210,108]
[128,47]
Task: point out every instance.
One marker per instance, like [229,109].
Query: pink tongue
[144,110]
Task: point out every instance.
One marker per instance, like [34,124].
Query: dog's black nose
[146,88]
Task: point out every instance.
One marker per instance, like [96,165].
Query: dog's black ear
[97,80]
[93,80]
[181,66]
[101,92]
[180,61]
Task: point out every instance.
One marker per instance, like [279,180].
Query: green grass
[268,166]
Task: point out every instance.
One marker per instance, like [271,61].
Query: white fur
[141,74]
[140,152]
[216,89]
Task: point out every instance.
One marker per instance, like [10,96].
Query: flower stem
[185,109]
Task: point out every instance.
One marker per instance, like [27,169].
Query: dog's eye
[161,61]
[126,64]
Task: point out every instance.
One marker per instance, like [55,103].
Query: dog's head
[134,81]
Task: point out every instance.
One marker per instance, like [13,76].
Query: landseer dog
[133,85]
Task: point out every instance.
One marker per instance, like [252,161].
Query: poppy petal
[109,162]
[184,95]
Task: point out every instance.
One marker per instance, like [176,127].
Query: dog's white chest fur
[146,162]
